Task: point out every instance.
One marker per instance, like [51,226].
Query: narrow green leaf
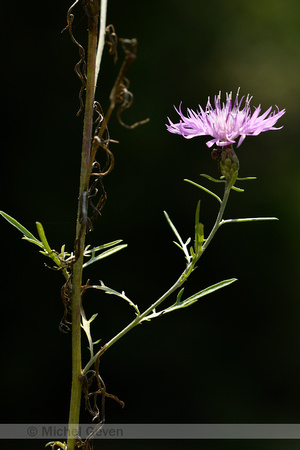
[44,253]
[209,290]
[181,244]
[178,245]
[93,317]
[197,217]
[246,178]
[46,245]
[50,253]
[173,228]
[211,178]
[27,235]
[43,238]
[34,241]
[110,251]
[247,219]
[234,188]
[204,189]
[93,259]
[89,251]
[179,295]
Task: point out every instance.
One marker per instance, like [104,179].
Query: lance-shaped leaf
[43,243]
[92,252]
[26,234]
[189,301]
[204,189]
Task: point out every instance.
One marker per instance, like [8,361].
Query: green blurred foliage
[232,357]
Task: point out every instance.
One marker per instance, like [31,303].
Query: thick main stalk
[80,235]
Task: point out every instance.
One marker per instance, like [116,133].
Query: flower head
[226,121]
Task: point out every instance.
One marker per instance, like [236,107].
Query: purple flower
[226,122]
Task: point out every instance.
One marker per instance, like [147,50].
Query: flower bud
[229,163]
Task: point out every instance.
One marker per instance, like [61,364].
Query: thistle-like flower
[226,121]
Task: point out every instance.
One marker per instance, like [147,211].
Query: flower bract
[226,121]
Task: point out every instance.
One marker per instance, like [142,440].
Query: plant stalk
[75,401]
[219,216]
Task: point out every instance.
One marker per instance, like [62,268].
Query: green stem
[183,277]
[80,234]
[219,216]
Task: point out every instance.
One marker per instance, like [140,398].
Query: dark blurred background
[233,357]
